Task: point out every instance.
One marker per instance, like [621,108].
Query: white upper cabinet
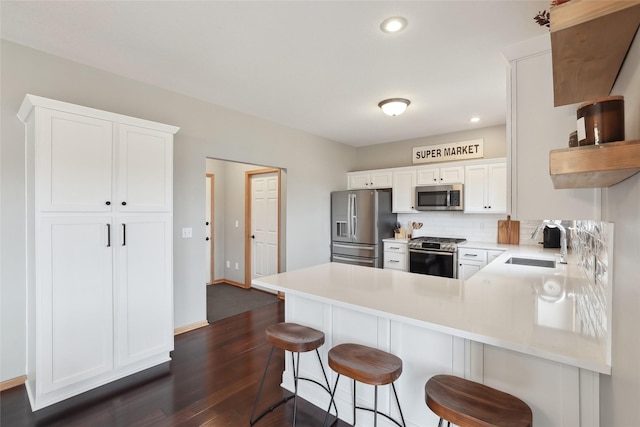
[369,179]
[145,170]
[75,155]
[443,175]
[404,191]
[485,188]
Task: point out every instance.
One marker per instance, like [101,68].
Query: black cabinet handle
[124,203]
[107,203]
[124,234]
[108,235]
[207,239]
[206,223]
[253,236]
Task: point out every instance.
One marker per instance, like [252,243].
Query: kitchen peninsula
[517,328]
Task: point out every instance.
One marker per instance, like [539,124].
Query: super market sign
[451,151]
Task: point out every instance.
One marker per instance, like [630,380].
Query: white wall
[396,154]
[620,392]
[315,167]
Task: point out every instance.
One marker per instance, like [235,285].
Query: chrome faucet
[563,236]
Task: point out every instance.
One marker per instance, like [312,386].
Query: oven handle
[422,251]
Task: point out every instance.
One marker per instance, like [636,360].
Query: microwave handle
[448,198]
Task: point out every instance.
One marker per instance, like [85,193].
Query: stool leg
[354,402]
[398,403]
[264,375]
[253,420]
[375,407]
[333,394]
[296,371]
[326,380]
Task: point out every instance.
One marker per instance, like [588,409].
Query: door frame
[212,260]
[247,218]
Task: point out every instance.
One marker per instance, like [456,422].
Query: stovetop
[448,244]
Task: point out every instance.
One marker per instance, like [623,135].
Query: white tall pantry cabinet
[99,247]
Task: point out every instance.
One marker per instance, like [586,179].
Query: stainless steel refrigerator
[360,219]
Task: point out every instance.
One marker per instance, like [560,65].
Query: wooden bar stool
[295,339]
[470,404]
[367,365]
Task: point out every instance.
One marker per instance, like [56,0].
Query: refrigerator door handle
[354,217]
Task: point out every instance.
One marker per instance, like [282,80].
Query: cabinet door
[497,187]
[74,162]
[381,179]
[475,188]
[485,189]
[145,170]
[428,176]
[74,313]
[144,317]
[452,174]
[404,191]
[466,269]
[356,181]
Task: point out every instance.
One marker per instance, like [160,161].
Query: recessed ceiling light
[393,25]
[394,106]
[474,119]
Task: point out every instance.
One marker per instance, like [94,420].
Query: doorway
[228,210]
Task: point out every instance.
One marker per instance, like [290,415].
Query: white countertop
[526,309]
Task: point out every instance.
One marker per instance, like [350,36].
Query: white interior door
[264,224]
[208,230]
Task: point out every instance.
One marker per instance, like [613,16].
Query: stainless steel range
[436,256]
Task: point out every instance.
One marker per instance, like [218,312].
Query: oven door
[433,263]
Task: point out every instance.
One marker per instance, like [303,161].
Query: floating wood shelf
[593,166]
[589,42]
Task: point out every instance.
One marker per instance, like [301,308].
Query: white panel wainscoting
[558,394]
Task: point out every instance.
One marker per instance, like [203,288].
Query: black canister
[551,238]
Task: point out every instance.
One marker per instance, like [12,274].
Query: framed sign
[447,152]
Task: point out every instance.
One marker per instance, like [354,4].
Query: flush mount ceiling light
[393,25]
[474,119]
[394,106]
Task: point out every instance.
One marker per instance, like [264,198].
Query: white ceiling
[318,66]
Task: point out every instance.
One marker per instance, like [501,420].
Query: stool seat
[293,337]
[468,403]
[365,364]
[296,339]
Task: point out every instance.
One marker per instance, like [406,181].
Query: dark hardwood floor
[211,381]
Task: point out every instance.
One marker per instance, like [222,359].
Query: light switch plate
[187,233]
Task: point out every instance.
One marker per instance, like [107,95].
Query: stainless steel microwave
[447,197]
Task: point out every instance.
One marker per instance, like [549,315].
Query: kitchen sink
[533,262]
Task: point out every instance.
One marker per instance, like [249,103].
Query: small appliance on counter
[551,237]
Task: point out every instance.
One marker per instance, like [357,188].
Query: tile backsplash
[473,227]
